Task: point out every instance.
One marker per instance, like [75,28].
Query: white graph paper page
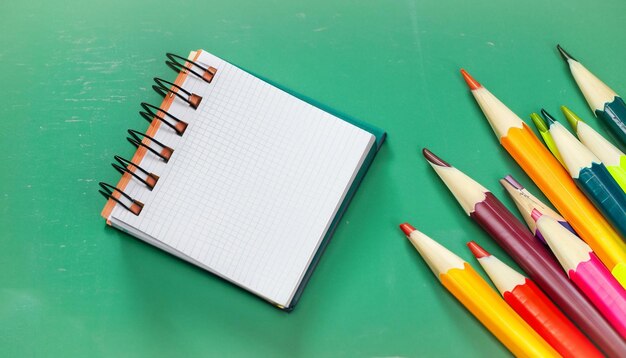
[253,184]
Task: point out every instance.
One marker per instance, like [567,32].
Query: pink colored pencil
[586,271]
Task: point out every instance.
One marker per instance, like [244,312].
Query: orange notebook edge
[151,131]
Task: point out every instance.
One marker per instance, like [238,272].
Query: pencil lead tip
[535,214]
[539,122]
[548,117]
[477,250]
[407,228]
[571,117]
[471,82]
[511,181]
[566,56]
[433,159]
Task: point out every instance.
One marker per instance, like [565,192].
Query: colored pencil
[542,127]
[532,256]
[613,159]
[590,175]
[552,179]
[587,272]
[460,279]
[527,202]
[534,307]
[604,102]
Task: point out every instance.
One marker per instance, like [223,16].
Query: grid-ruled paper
[253,184]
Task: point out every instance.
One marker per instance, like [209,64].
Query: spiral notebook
[238,176]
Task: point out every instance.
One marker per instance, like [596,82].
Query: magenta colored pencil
[587,272]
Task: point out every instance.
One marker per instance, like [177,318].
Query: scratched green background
[74,72]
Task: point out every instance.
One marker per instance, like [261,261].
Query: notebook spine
[145,143]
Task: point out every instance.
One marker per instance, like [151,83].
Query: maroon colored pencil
[532,256]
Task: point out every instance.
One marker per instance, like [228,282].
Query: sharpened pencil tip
[510,180]
[535,214]
[407,228]
[539,122]
[566,56]
[433,159]
[571,117]
[471,82]
[547,117]
[477,250]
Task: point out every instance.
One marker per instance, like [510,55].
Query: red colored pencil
[535,307]
[532,256]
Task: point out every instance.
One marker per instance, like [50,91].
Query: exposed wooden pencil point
[566,56]
[433,159]
[471,82]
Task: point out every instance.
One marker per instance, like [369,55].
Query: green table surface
[73,74]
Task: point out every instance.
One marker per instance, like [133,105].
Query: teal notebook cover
[380,138]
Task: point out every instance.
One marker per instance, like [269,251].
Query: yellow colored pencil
[460,279]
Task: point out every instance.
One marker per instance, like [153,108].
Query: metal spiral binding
[149,180]
[192,99]
[150,113]
[135,139]
[108,190]
[174,63]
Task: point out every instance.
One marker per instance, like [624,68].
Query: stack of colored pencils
[573,302]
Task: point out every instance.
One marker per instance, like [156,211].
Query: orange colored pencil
[548,174]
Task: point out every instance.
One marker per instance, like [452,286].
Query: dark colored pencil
[532,256]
